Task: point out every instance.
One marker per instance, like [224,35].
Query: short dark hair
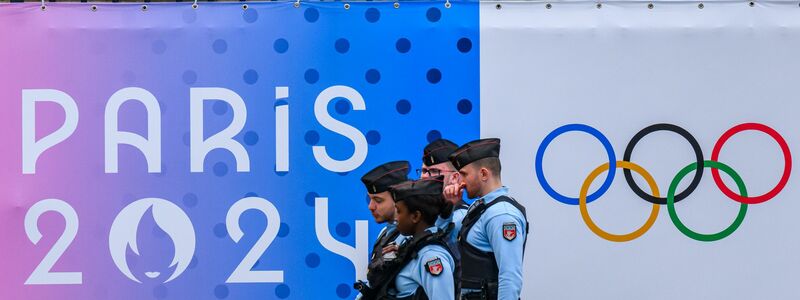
[490,163]
[430,206]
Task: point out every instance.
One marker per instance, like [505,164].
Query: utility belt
[488,291]
[368,293]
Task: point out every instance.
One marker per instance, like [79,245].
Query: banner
[592,99]
[168,152]
[172,151]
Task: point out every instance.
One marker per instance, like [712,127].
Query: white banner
[562,78]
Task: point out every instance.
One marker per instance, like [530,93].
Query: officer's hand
[390,248]
[453,192]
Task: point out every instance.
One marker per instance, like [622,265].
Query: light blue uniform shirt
[391,226]
[487,236]
[456,218]
[416,273]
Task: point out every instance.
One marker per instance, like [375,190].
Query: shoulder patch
[509,231]
[434,266]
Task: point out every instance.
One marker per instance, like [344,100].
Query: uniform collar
[391,226]
[501,191]
[432,229]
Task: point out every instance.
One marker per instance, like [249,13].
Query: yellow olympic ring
[588,219]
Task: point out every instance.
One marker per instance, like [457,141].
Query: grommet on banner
[701,5]
[297,4]
[548,6]
[752,4]
[447,4]
[144,7]
[194,5]
[498,6]
[599,5]
[44,7]
[245,7]
[397,5]
[94,8]
[347,6]
[650,6]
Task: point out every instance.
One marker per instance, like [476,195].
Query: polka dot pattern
[434,76]
[190,200]
[343,290]
[372,15]
[220,46]
[220,169]
[312,260]
[281,45]
[221,291]
[250,138]
[373,76]
[312,137]
[250,15]
[403,45]
[433,135]
[159,47]
[342,45]
[433,14]
[282,291]
[343,229]
[464,45]
[415,67]
[403,106]
[311,76]
[284,230]
[464,106]
[311,14]
[250,76]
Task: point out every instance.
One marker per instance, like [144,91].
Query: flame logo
[169,217]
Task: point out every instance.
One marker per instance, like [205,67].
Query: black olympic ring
[698,174]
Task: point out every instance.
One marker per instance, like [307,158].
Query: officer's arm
[442,223]
[366,281]
[439,286]
[508,254]
[458,217]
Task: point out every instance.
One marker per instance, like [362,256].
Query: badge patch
[434,266]
[509,231]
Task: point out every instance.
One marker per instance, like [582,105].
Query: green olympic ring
[674,215]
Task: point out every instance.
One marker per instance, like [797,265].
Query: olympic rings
[671,197]
[585,212]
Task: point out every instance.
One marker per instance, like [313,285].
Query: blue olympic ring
[612,160]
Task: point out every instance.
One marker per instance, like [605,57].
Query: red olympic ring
[787,160]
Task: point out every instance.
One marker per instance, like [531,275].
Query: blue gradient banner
[215,153]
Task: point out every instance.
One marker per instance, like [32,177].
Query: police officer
[494,231]
[382,207]
[435,162]
[424,267]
